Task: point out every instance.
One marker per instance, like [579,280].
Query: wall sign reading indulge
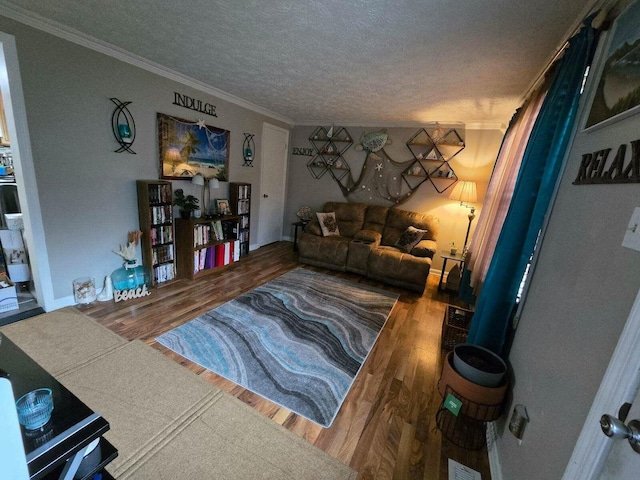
[193,104]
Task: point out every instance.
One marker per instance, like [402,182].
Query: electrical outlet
[519,420]
[632,235]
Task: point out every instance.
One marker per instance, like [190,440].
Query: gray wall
[475,162]
[581,295]
[87,192]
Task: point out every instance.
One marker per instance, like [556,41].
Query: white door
[275,143]
[595,455]
[623,462]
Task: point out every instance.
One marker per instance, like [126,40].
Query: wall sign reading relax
[193,104]
[598,167]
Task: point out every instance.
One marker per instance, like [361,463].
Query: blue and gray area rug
[298,340]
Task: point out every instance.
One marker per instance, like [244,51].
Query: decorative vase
[84,290]
[129,276]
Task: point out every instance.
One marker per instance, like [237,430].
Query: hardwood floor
[386,428]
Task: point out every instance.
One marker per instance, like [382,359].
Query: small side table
[446,255]
[296,225]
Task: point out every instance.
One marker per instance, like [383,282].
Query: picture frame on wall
[222,206]
[617,94]
[186,147]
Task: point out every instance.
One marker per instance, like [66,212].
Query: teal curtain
[534,188]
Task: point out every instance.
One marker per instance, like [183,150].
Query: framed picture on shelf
[188,147]
[222,206]
[617,93]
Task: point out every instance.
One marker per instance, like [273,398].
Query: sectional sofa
[387,244]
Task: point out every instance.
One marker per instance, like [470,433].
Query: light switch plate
[632,235]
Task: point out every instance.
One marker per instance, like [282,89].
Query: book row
[243,235]
[163,254]
[161,214]
[216,256]
[243,206]
[160,193]
[164,273]
[215,231]
[160,235]
[243,191]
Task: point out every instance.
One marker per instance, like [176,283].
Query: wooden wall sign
[121,295]
[599,168]
[307,152]
[193,104]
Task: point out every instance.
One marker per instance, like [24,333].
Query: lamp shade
[198,179]
[464,192]
[214,183]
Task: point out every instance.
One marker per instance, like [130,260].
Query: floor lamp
[465,192]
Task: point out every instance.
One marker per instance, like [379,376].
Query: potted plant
[187,203]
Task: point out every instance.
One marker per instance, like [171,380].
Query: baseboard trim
[492,450]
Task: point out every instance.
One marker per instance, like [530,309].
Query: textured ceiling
[357,62]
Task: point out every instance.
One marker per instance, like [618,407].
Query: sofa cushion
[390,265]
[398,221]
[409,239]
[368,236]
[328,252]
[328,224]
[375,218]
[425,248]
[350,216]
[313,227]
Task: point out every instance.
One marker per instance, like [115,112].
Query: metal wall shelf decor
[381,177]
[123,126]
[329,145]
[248,150]
[432,149]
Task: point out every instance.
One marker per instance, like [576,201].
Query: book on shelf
[164,273]
[201,234]
[161,234]
[236,250]
[217,226]
[244,191]
[160,193]
[163,254]
[243,206]
[214,256]
[161,214]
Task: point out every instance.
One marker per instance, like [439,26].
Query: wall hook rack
[123,126]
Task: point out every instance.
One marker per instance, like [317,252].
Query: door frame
[16,115]
[268,126]
[619,385]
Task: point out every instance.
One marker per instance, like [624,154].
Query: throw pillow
[328,224]
[409,238]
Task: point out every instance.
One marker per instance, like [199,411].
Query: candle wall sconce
[248,150]
[123,126]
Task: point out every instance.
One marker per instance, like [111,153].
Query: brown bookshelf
[198,239]
[155,213]
[240,199]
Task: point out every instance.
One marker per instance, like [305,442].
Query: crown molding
[61,31]
[412,124]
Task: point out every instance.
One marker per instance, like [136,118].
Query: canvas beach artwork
[188,147]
